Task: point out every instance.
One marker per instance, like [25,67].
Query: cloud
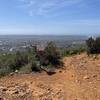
[46,7]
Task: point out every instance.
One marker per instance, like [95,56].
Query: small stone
[3,88]
[16,92]
[49,89]
[11,74]
[60,71]
[16,71]
[31,82]
[94,76]
[86,77]
[72,75]
[1,98]
[90,82]
[22,94]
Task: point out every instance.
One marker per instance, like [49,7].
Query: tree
[97,44]
[52,54]
[90,45]
[93,45]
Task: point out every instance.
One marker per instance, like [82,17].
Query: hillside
[80,80]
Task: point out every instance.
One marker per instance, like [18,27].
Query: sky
[54,17]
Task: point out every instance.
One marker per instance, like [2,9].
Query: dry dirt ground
[80,80]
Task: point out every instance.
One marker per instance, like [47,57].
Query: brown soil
[80,80]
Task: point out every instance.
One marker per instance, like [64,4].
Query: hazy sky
[50,17]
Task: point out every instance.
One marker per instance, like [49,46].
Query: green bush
[93,45]
[26,69]
[35,66]
[28,61]
[4,71]
[70,52]
[52,55]
[16,61]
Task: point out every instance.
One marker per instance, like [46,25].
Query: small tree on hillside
[90,45]
[97,44]
[93,45]
[51,54]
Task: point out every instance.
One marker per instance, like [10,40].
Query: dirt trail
[79,81]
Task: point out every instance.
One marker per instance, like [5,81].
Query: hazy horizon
[83,35]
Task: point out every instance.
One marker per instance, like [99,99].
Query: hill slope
[80,80]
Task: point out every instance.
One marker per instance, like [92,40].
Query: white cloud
[45,7]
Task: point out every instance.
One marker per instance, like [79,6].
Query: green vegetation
[32,60]
[70,52]
[52,55]
[12,62]
[35,60]
[93,45]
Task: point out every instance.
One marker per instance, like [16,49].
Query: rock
[90,82]
[94,76]
[81,64]
[1,98]
[16,71]
[86,77]
[22,94]
[28,91]
[3,88]
[31,82]
[11,92]
[11,74]
[16,92]
[94,57]
[72,75]
[60,71]
[51,71]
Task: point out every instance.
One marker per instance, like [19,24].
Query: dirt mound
[80,80]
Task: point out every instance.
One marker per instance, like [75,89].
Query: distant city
[13,43]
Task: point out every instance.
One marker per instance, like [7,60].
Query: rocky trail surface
[80,80]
